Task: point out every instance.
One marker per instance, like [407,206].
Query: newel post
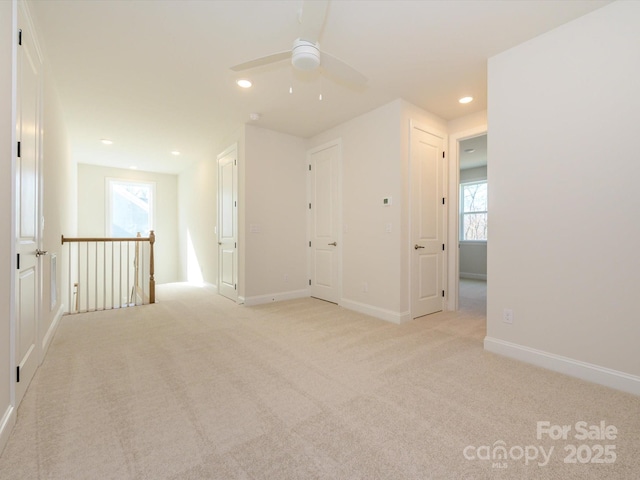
[152,280]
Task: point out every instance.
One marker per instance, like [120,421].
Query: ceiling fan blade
[312,19]
[259,62]
[336,68]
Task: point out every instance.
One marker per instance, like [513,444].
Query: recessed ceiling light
[466,99]
[469,150]
[175,152]
[244,83]
[106,141]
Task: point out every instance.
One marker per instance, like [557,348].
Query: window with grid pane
[473,211]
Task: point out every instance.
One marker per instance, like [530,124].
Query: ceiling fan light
[305,55]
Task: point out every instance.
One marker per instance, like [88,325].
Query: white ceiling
[473,152]
[154,76]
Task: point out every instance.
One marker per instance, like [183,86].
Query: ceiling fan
[306,53]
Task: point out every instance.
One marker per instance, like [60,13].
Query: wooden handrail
[112,239]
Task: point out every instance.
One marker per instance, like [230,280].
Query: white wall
[198,216]
[274,193]
[8,14]
[59,209]
[92,198]
[563,114]
[371,170]
[375,156]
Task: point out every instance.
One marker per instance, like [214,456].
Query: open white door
[427,214]
[324,222]
[27,213]
[228,223]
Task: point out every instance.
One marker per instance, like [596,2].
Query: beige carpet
[196,387]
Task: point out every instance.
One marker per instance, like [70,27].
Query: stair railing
[109,273]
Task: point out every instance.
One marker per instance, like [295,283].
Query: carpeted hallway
[195,387]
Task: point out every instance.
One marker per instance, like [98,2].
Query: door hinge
[18,150]
[309,282]
[309,243]
[309,206]
[20,37]
[443,200]
[18,374]
[235,244]
[235,286]
[443,247]
[235,203]
[309,167]
[18,261]
[443,154]
[443,293]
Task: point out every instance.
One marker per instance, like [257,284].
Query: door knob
[416,246]
[334,244]
[39,252]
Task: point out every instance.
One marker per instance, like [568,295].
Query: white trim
[276,297]
[381,313]
[474,276]
[6,426]
[46,341]
[453,199]
[568,366]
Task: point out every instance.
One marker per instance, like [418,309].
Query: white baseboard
[46,341]
[6,426]
[275,297]
[568,366]
[381,313]
[474,276]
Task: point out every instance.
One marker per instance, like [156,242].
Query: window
[130,208]
[473,211]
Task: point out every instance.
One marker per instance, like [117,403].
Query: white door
[228,223]
[324,206]
[27,217]
[427,214]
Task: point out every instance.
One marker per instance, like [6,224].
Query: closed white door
[27,217]
[324,206]
[228,223]
[427,214]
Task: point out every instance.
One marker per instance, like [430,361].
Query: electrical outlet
[507,315]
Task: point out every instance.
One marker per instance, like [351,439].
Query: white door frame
[333,143]
[453,256]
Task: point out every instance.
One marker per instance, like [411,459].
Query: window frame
[462,213]
[109,182]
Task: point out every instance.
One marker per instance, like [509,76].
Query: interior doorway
[472,224]
[456,149]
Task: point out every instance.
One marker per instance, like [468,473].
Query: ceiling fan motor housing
[305,55]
